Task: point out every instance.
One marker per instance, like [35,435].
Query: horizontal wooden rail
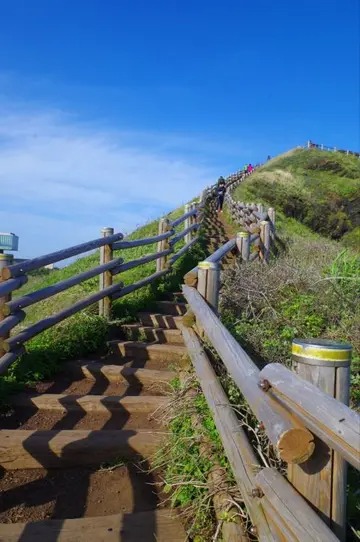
[10,322]
[123,245]
[332,421]
[182,218]
[12,284]
[191,277]
[11,344]
[53,289]
[183,233]
[298,521]
[140,261]
[140,284]
[240,454]
[36,263]
[182,251]
[8,359]
[292,441]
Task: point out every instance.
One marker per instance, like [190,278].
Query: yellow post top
[206,265]
[243,234]
[322,350]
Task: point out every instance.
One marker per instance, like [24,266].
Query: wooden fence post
[106,255]
[243,244]
[322,479]
[272,218]
[209,283]
[265,240]
[187,223]
[161,263]
[5,261]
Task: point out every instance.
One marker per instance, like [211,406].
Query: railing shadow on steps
[315,433]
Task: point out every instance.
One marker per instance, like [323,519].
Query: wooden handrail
[11,344]
[183,233]
[140,261]
[332,421]
[182,218]
[182,251]
[44,293]
[12,284]
[123,245]
[36,263]
[191,277]
[293,442]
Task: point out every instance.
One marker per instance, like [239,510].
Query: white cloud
[61,180]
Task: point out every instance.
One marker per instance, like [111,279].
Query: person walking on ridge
[220,193]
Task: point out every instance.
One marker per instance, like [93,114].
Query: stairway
[74,452]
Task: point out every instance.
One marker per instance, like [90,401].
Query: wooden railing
[14,276]
[304,413]
[312,145]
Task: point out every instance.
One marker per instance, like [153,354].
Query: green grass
[321,189]
[86,333]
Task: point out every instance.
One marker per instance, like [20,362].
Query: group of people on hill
[248,168]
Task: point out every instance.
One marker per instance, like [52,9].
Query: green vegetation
[86,333]
[321,189]
[184,464]
[312,287]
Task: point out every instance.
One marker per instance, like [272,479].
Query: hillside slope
[319,188]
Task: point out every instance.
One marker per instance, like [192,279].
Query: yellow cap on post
[321,350]
[206,265]
[243,234]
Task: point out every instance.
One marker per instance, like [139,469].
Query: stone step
[148,351]
[23,449]
[160,525]
[172,308]
[161,321]
[152,334]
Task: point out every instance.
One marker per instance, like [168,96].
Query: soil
[32,495]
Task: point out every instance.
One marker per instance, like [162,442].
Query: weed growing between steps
[185,468]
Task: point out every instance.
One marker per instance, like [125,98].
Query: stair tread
[21,448]
[159,525]
[134,376]
[166,347]
[89,403]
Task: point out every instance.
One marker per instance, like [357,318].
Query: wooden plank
[143,350]
[152,525]
[11,321]
[239,452]
[153,334]
[182,251]
[215,257]
[12,284]
[123,245]
[140,284]
[13,343]
[301,519]
[8,359]
[117,373]
[182,234]
[30,265]
[332,421]
[90,403]
[22,449]
[49,291]
[161,321]
[293,442]
[140,261]
[172,308]
[182,218]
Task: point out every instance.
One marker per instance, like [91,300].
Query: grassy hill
[319,188]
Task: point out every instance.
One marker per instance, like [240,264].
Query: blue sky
[113,112]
